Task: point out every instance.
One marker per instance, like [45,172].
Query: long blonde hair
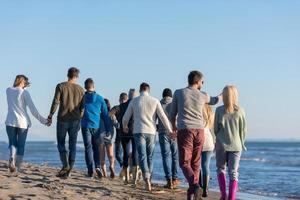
[230,98]
[208,116]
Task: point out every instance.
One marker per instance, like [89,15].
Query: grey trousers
[230,159]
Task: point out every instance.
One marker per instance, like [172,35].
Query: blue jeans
[72,129]
[145,144]
[169,153]
[205,162]
[91,139]
[228,158]
[17,138]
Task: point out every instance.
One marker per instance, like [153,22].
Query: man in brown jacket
[69,97]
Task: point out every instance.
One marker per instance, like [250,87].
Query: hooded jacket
[166,104]
[95,108]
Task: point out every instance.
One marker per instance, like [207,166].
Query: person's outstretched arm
[32,108]
[213,100]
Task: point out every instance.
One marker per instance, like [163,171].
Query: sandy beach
[40,182]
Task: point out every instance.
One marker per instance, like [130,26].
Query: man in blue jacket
[94,108]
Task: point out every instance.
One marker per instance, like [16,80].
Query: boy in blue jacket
[94,109]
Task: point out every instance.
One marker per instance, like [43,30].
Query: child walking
[208,149]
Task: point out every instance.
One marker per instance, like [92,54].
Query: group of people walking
[188,129]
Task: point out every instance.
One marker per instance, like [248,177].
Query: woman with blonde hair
[18,121]
[208,149]
[230,131]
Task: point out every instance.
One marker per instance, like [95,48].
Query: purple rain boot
[222,185]
[233,187]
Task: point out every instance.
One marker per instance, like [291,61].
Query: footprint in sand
[31,195]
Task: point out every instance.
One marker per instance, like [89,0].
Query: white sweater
[209,144]
[145,110]
[18,100]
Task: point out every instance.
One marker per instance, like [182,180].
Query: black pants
[125,141]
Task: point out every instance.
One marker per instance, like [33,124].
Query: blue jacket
[94,109]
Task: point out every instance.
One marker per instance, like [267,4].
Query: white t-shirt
[18,100]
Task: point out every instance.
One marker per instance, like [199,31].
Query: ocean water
[270,169]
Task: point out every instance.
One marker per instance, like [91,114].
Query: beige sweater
[145,110]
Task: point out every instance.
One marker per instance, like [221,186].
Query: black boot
[198,193]
[169,184]
[65,163]
[206,180]
[200,180]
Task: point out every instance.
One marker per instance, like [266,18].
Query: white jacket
[18,100]
[145,110]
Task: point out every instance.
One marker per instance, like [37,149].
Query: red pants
[190,145]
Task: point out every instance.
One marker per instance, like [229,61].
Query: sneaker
[68,174]
[99,173]
[11,165]
[63,172]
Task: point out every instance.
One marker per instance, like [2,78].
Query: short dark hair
[144,86]
[167,93]
[73,72]
[123,96]
[88,83]
[194,77]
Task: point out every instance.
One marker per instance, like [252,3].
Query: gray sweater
[187,106]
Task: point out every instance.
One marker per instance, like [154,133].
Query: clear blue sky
[252,44]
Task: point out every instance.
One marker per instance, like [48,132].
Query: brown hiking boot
[176,182]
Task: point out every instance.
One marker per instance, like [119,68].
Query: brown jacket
[70,99]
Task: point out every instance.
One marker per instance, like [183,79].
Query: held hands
[126,130]
[173,135]
[49,119]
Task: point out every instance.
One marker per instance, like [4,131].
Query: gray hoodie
[166,104]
